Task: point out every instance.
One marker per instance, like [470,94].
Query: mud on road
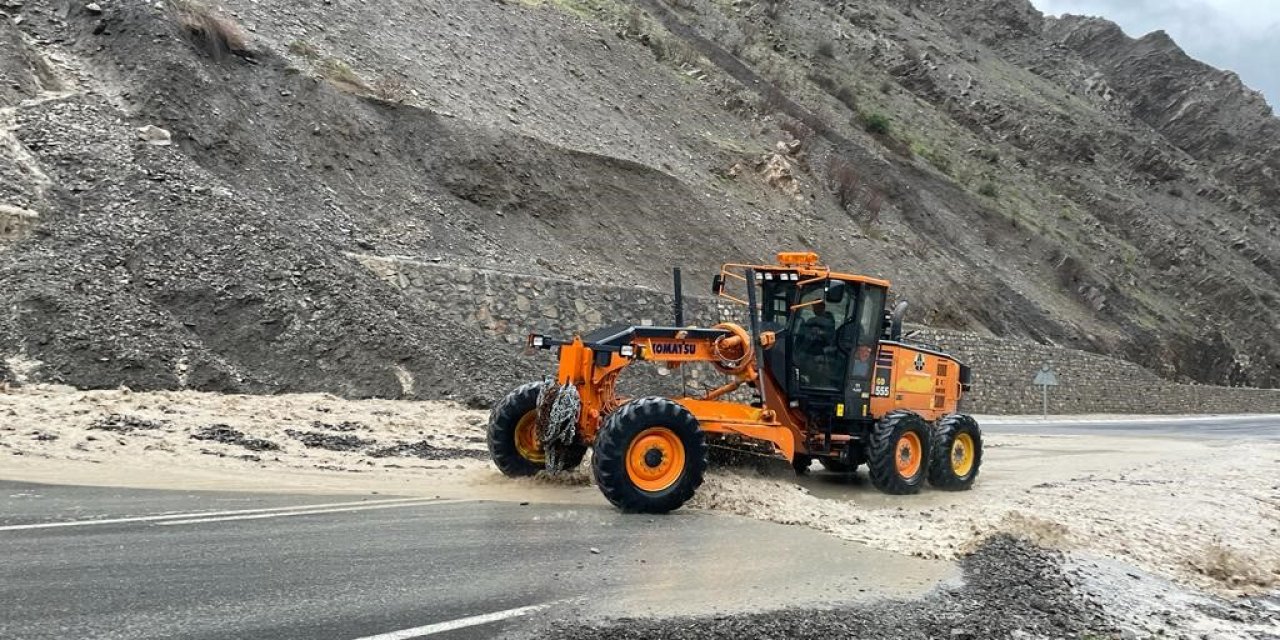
[1168,536]
[1011,587]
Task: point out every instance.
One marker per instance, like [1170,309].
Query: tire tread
[614,439]
[941,475]
[882,450]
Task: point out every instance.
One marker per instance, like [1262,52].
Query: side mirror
[835,292]
[717,284]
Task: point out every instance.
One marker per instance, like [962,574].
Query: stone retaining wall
[1088,383]
[510,306]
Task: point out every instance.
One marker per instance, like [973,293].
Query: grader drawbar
[820,372]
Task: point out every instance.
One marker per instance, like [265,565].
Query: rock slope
[184,202]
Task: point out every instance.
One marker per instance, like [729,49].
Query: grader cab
[820,372]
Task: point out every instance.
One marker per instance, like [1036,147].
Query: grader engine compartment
[821,373]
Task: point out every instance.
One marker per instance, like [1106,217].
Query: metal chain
[558,410]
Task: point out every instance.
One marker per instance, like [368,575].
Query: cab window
[818,361]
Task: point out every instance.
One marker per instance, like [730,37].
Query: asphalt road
[85,562]
[81,562]
[1244,427]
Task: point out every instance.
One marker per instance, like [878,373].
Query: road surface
[83,562]
[1264,427]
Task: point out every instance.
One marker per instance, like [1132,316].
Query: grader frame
[871,398]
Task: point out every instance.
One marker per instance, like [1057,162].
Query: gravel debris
[247,457]
[426,451]
[121,423]
[345,426]
[226,435]
[317,440]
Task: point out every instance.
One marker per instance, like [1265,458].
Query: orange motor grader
[820,372]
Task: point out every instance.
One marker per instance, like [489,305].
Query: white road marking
[285,514]
[460,623]
[196,514]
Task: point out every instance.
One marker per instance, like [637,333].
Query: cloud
[1240,35]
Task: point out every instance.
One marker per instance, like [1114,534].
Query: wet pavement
[128,563]
[1262,427]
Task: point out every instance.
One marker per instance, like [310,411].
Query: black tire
[945,470]
[613,444]
[504,419]
[835,465]
[888,437]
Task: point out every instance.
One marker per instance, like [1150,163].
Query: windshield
[818,361]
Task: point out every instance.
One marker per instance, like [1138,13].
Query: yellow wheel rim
[909,454]
[655,459]
[962,455]
[527,439]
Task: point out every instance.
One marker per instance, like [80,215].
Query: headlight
[627,351]
[538,341]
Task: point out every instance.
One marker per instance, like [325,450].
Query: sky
[1240,35]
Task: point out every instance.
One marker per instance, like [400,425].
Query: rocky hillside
[186,188]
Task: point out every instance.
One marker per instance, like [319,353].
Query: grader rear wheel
[650,456]
[957,453]
[899,453]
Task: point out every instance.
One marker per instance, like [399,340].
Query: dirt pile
[182,430]
[1027,585]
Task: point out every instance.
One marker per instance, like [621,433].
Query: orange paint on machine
[821,372]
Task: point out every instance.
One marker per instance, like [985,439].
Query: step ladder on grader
[829,378]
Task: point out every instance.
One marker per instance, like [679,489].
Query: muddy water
[694,564]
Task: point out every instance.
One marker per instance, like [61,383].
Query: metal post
[1044,379]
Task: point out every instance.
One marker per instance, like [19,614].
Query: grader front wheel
[650,456]
[898,455]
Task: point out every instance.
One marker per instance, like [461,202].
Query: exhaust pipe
[895,321]
[678,297]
